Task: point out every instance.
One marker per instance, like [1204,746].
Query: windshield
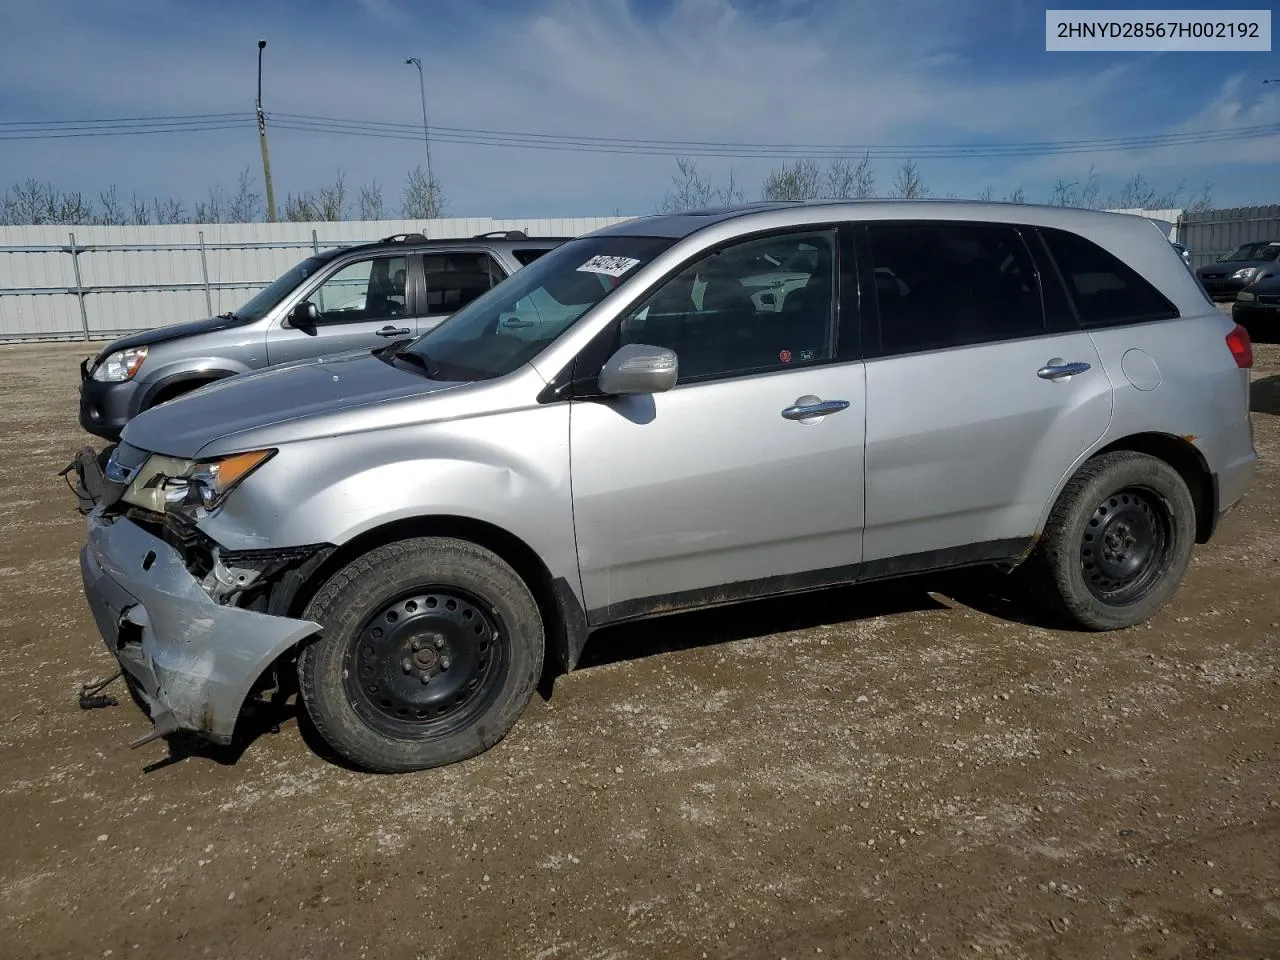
[512,323]
[1254,251]
[278,289]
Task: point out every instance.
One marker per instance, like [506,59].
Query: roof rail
[502,235]
[403,238]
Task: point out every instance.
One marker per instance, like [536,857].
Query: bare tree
[111,210]
[800,180]
[300,209]
[690,190]
[1018,196]
[331,199]
[987,193]
[139,215]
[421,198]
[244,207]
[848,180]
[169,211]
[371,202]
[907,185]
[1202,200]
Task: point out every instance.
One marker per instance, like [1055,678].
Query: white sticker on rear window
[610,266]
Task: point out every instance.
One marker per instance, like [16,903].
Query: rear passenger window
[526,256]
[950,284]
[1105,290]
[455,279]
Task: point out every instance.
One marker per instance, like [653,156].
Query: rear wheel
[1117,542]
[431,651]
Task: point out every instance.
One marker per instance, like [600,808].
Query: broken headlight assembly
[169,485]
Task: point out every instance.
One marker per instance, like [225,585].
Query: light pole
[262,141]
[426,137]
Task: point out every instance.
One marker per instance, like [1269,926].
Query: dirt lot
[919,769]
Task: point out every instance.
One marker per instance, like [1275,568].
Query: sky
[908,72]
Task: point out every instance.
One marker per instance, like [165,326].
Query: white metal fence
[91,282]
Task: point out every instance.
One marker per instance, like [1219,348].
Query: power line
[115,120]
[528,140]
[784,151]
[7,135]
[844,148]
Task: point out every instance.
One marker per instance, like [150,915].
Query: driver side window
[765,304]
[364,290]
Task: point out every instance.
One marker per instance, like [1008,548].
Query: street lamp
[262,142]
[426,138]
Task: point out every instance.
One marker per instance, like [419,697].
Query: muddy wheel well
[1181,454]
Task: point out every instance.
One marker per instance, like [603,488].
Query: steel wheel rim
[426,664]
[1125,546]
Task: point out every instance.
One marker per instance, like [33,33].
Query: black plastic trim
[975,554]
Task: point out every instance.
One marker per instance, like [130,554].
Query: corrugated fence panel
[1211,233]
[240,259]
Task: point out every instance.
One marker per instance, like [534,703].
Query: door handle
[809,407]
[393,331]
[1058,369]
[513,324]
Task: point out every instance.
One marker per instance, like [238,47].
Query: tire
[431,650]
[1117,542]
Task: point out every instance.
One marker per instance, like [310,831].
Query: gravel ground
[919,769]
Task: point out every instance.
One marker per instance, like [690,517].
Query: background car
[1257,307]
[342,299]
[1227,275]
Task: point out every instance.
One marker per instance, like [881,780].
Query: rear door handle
[808,409]
[1058,369]
[512,323]
[393,331]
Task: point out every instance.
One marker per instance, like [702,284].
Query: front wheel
[1117,542]
[430,653]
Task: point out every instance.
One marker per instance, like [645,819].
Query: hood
[1229,267]
[145,338]
[273,395]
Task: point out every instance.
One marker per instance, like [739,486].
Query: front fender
[509,470]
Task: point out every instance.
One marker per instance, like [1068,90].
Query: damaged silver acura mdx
[669,413]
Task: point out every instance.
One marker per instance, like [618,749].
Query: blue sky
[786,71]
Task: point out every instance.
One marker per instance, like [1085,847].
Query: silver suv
[337,300]
[669,413]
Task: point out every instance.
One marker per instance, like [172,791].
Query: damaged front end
[196,627]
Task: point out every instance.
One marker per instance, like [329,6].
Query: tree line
[36,202]
[848,179]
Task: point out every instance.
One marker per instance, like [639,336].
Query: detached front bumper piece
[193,660]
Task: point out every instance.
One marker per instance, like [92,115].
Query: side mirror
[639,368]
[304,315]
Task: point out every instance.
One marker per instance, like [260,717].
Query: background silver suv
[672,412]
[340,299]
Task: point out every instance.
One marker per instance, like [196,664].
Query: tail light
[1241,347]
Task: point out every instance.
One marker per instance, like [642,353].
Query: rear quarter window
[1105,290]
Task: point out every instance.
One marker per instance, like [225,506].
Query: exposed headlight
[168,484]
[121,365]
[1244,273]
[1246,295]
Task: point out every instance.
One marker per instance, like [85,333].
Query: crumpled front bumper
[194,661]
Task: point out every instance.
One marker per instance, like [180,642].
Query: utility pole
[262,140]
[426,137]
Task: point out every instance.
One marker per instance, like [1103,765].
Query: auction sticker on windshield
[610,266]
